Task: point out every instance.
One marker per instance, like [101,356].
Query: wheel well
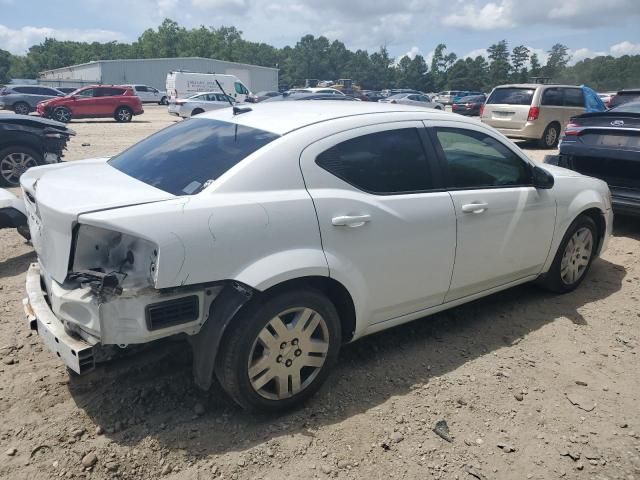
[598,217]
[557,124]
[196,111]
[334,290]
[127,107]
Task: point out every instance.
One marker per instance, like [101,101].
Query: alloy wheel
[576,256]
[288,353]
[124,115]
[62,115]
[21,109]
[551,136]
[13,165]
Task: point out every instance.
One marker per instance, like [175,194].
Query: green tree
[499,67]
[5,65]
[534,65]
[519,59]
[557,61]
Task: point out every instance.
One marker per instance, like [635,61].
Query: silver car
[23,99]
[198,103]
[418,100]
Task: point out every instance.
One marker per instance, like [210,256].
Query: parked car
[197,104]
[185,84]
[466,93]
[260,96]
[294,96]
[373,96]
[149,94]
[621,97]
[447,97]
[23,99]
[470,105]
[535,111]
[97,101]
[606,97]
[418,100]
[606,145]
[317,91]
[13,214]
[295,230]
[26,142]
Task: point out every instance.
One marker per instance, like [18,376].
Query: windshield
[511,96]
[186,157]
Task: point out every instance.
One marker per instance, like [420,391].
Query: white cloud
[625,48]
[19,41]
[478,52]
[413,51]
[220,4]
[488,17]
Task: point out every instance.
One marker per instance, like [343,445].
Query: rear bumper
[531,131]
[76,353]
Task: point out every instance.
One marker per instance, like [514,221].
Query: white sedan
[418,100]
[269,236]
[199,103]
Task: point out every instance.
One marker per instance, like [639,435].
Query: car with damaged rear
[269,236]
[606,145]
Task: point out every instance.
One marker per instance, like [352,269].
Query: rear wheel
[123,114]
[574,256]
[61,114]
[550,136]
[163,101]
[14,161]
[279,351]
[21,108]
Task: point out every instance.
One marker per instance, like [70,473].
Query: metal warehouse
[153,72]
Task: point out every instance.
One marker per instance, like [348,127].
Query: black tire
[21,108]
[163,101]
[61,114]
[553,279]
[550,137]
[241,340]
[123,114]
[197,111]
[16,155]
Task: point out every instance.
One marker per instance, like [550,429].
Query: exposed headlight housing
[130,259]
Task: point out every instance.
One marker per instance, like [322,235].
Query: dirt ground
[531,385]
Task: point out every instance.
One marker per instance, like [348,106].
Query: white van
[185,84]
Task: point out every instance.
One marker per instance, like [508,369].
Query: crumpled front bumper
[76,353]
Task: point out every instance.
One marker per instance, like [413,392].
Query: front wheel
[21,108]
[14,161]
[279,351]
[123,114]
[61,114]
[574,256]
[163,101]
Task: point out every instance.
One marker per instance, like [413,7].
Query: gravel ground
[531,385]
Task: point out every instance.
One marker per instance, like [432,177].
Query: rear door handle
[476,207]
[351,220]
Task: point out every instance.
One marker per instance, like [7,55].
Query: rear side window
[552,97]
[388,162]
[476,160]
[511,96]
[141,88]
[573,97]
[108,92]
[28,90]
[187,156]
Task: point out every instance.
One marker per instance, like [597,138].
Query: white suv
[269,236]
[149,94]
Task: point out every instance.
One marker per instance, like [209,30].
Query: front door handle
[476,207]
[351,220]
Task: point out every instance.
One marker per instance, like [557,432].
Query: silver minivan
[532,111]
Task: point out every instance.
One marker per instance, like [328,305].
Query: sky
[588,27]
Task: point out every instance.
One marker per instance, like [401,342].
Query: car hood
[57,194]
[559,171]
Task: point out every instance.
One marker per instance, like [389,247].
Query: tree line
[318,57]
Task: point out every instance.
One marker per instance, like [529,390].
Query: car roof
[284,117]
[536,85]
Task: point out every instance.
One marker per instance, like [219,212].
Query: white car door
[504,224]
[386,232]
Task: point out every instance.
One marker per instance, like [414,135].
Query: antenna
[236,110]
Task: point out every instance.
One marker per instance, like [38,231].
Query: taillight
[180,102]
[574,129]
[481,109]
[534,113]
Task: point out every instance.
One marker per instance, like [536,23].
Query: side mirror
[541,178]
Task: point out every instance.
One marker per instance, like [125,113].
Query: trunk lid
[55,195]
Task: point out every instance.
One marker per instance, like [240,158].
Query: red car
[96,101]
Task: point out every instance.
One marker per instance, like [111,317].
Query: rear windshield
[624,97]
[511,96]
[186,157]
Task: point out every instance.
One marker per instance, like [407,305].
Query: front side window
[186,157]
[240,88]
[476,160]
[388,162]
